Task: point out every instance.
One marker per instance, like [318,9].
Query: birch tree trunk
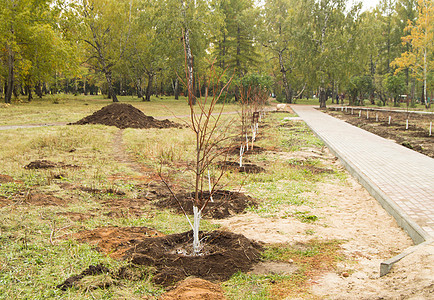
[189,61]
[108,76]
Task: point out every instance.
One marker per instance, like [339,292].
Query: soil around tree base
[245,168]
[224,204]
[223,254]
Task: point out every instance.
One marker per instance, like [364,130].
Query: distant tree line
[326,48]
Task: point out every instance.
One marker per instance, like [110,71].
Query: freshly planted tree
[254,90]
[205,122]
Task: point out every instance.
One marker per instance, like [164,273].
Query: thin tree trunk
[425,96]
[149,87]
[29,93]
[112,94]
[11,76]
[288,93]
[38,89]
[322,97]
[176,89]
[84,85]
[190,75]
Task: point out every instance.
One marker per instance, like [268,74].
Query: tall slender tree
[106,30]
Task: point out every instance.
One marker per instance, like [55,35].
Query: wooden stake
[390,118]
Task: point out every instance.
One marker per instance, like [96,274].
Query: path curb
[416,233]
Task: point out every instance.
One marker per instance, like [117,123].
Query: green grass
[73,108]
[32,264]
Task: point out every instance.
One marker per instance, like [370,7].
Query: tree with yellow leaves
[417,59]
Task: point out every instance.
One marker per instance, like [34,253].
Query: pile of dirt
[223,254]
[235,150]
[246,168]
[225,203]
[124,116]
[195,289]
[115,241]
[46,164]
[91,270]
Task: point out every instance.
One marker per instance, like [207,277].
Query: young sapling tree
[206,124]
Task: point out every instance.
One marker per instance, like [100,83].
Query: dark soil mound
[123,116]
[46,164]
[236,150]
[91,270]
[246,168]
[224,254]
[225,203]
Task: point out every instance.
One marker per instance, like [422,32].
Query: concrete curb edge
[416,233]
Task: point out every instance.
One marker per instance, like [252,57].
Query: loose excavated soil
[226,203]
[194,289]
[91,270]
[115,241]
[246,168]
[124,116]
[46,164]
[223,254]
[235,150]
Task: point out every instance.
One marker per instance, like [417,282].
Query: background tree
[421,46]
[106,29]
[281,27]
[30,42]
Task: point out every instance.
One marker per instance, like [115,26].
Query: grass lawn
[37,251]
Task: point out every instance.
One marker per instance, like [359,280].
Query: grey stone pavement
[401,179]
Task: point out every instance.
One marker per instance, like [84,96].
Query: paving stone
[406,177]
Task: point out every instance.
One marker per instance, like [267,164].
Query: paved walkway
[401,179]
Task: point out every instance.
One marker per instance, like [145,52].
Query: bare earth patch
[115,241]
[223,254]
[348,213]
[195,289]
